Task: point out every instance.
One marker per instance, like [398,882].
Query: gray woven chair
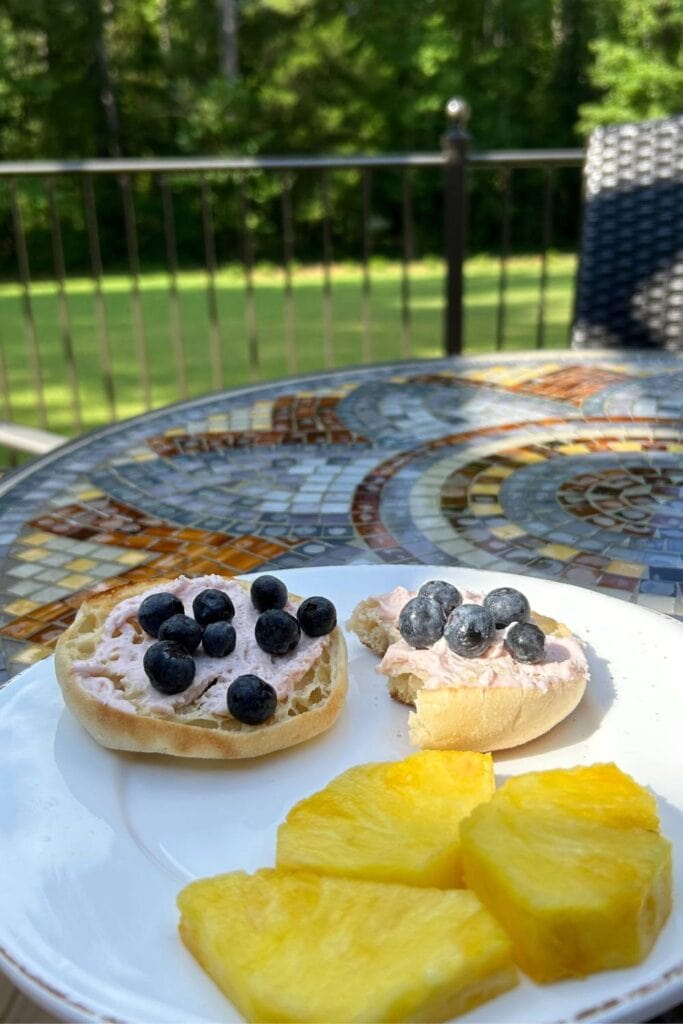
[630,278]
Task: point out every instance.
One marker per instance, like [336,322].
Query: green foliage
[316,75]
[83,78]
[638,65]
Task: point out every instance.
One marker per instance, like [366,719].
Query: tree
[83,78]
[106,88]
[227,11]
[638,65]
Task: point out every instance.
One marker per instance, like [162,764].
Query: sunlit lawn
[385,339]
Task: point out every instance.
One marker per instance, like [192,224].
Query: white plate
[94,845]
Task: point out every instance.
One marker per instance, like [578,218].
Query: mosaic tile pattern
[550,464]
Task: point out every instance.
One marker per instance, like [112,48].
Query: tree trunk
[164,28]
[229,56]
[107,95]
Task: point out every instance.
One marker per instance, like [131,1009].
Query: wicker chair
[630,278]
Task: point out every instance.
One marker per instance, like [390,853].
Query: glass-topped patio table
[560,465]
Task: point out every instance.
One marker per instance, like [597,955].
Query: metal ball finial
[458,111]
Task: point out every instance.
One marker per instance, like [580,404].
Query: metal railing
[456,164]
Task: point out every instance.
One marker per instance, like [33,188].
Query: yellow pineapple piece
[597,792]
[563,864]
[293,946]
[389,822]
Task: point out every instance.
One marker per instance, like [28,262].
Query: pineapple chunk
[389,822]
[598,792]
[580,881]
[300,947]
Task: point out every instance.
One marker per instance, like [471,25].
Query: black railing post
[454,145]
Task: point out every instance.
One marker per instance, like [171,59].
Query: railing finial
[458,112]
[455,146]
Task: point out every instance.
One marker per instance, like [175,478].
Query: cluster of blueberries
[437,611]
[170,665]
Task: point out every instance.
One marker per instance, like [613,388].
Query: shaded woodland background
[86,78]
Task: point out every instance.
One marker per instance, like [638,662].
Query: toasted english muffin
[98,663]
[476,716]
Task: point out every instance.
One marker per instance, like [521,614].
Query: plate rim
[45,994]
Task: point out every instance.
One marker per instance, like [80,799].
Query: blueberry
[507,605]
[169,667]
[421,622]
[317,616]
[277,632]
[469,630]
[268,592]
[219,639]
[526,642]
[212,606]
[183,630]
[251,700]
[155,609]
[448,596]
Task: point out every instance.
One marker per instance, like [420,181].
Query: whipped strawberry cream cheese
[438,666]
[115,674]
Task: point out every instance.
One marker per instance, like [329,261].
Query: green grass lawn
[384,340]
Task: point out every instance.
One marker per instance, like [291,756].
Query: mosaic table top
[559,465]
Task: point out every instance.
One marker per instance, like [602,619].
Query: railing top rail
[179,165]
[529,157]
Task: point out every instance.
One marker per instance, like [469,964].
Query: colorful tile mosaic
[553,465]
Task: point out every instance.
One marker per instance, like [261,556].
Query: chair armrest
[28,439]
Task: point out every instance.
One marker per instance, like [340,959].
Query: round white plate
[94,844]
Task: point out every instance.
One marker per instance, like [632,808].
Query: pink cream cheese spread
[439,666]
[115,674]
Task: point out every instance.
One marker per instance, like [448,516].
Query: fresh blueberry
[469,630]
[219,639]
[155,609]
[526,642]
[212,606]
[251,700]
[268,592]
[448,596]
[277,632]
[169,667]
[317,616]
[421,622]
[183,630]
[507,605]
